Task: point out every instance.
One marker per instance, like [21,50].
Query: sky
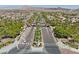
[55,6]
[42,6]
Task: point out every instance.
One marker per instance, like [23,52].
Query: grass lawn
[10,28]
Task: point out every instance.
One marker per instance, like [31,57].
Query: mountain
[29,7]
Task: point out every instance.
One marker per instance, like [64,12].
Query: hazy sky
[55,6]
[45,6]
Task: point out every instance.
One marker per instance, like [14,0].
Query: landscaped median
[37,41]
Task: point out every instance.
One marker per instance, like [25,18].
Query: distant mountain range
[30,7]
[25,6]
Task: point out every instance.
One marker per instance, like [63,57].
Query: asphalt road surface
[26,46]
[49,42]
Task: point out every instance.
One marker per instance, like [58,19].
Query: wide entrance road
[49,42]
[24,46]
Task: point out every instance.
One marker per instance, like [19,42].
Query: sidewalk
[66,48]
[6,49]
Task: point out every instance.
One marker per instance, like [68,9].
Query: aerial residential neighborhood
[39,30]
